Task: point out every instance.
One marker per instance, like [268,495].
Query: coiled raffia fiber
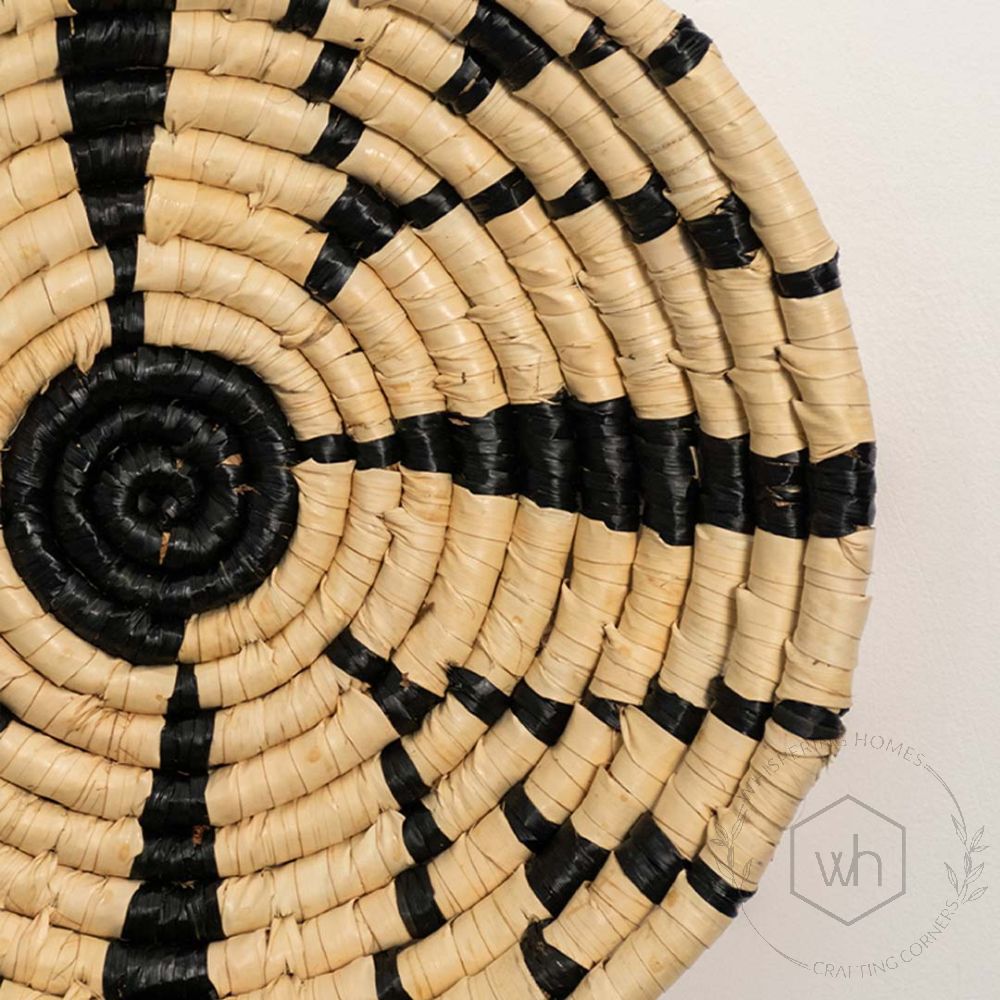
[437,498]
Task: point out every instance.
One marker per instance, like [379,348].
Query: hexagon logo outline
[878,906]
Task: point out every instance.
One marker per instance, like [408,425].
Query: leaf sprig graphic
[971,846]
[965,889]
[728,840]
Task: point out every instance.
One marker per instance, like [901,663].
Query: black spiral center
[155,486]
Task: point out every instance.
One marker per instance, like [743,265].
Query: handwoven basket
[437,499]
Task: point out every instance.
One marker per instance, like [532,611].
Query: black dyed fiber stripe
[328,73]
[467,87]
[338,140]
[173,914]
[649,859]
[607,711]
[404,703]
[544,718]
[378,454]
[127,315]
[125,97]
[184,701]
[175,802]
[364,221]
[546,439]
[780,497]
[508,194]
[304,15]
[609,478]
[548,466]
[808,284]
[530,826]
[555,974]
[426,442]
[102,158]
[388,984]
[356,659]
[459,81]
[124,256]
[667,475]
[594,47]
[115,213]
[485,452]
[477,695]
[842,492]
[566,862]
[588,191]
[517,53]
[726,496]
[744,716]
[718,893]
[186,744]
[648,213]
[328,449]
[672,713]
[809,722]
[160,973]
[88,42]
[401,775]
[422,836]
[418,909]
[725,239]
[331,270]
[441,200]
[185,857]
[469,100]
[680,54]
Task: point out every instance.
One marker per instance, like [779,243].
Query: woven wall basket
[437,499]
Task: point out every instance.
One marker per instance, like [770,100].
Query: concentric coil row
[437,499]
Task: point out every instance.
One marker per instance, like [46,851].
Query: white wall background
[892,110]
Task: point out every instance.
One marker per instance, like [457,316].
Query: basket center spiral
[152,487]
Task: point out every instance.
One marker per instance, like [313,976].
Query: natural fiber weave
[437,499]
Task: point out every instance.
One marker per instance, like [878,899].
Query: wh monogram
[848,860]
[853,873]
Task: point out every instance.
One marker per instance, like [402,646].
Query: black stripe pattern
[561,454]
